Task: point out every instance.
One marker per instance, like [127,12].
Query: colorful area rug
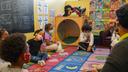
[89,66]
[72,63]
[102,51]
[98,58]
[53,60]
[72,60]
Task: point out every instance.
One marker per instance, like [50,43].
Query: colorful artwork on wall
[103,12]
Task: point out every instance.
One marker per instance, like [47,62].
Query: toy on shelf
[68,9]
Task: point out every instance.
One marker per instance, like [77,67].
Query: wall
[58,6]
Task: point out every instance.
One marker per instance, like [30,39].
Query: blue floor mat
[72,63]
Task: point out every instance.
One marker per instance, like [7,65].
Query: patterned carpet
[72,60]
[72,63]
[53,60]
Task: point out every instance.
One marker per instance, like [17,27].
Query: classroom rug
[53,60]
[89,66]
[102,51]
[72,60]
[72,63]
[97,58]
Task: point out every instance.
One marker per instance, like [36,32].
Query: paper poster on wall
[106,4]
[41,22]
[52,12]
[98,15]
[52,15]
[92,15]
[106,14]
[99,25]
[46,20]
[45,8]
[40,4]
[92,5]
[99,5]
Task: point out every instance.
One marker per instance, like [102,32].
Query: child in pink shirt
[49,45]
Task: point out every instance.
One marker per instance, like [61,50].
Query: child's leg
[43,55]
[83,45]
[60,48]
[89,49]
[35,59]
[40,56]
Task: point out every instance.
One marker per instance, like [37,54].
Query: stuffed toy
[69,10]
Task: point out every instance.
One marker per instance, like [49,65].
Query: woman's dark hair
[122,16]
[37,31]
[2,30]
[47,26]
[86,27]
[13,47]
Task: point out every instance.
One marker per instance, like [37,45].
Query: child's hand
[42,47]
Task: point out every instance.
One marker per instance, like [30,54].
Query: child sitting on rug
[35,45]
[86,38]
[15,50]
[49,44]
[115,37]
[3,35]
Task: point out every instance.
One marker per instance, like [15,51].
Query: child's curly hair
[37,31]
[86,27]
[13,47]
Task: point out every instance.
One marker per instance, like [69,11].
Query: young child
[35,45]
[115,37]
[3,34]
[86,38]
[15,50]
[49,44]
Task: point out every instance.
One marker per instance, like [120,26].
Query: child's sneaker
[41,62]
